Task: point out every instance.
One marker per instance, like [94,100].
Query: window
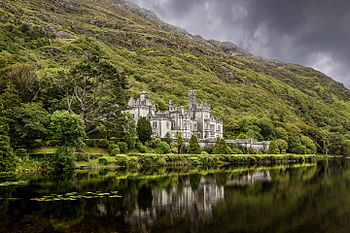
[154,124]
[167,124]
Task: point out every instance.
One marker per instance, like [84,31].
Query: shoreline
[150,161]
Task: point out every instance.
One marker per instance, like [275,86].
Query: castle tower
[144,98]
[192,96]
[170,105]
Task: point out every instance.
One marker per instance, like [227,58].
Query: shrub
[153,143]
[63,159]
[143,149]
[81,157]
[95,156]
[162,148]
[204,153]
[103,143]
[123,147]
[122,160]
[150,161]
[91,142]
[133,162]
[102,161]
[209,149]
[173,148]
[146,162]
[251,150]
[113,149]
[51,143]
[206,161]
[21,152]
[236,151]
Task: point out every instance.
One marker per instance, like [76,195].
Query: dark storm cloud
[315,33]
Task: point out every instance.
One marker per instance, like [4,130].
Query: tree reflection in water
[262,199]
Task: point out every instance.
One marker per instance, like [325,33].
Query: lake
[295,198]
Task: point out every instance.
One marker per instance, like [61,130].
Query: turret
[170,105]
[144,98]
[192,96]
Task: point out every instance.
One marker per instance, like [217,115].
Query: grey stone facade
[196,120]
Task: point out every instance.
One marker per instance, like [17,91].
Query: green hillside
[48,36]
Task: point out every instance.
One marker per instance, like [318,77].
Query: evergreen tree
[218,147]
[167,138]
[221,147]
[180,143]
[273,148]
[251,150]
[194,147]
[144,129]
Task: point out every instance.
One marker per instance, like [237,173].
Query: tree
[122,128]
[281,133]
[282,145]
[29,123]
[22,79]
[221,147]
[273,148]
[346,148]
[310,147]
[4,127]
[67,128]
[144,129]
[295,146]
[180,143]
[267,128]
[194,147]
[7,159]
[167,138]
[95,91]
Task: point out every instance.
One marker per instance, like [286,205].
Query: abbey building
[196,120]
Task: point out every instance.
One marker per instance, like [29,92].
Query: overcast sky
[314,33]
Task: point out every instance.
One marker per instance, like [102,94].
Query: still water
[307,198]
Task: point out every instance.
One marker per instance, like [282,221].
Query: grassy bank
[99,158]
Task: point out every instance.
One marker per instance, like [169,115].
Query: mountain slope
[54,35]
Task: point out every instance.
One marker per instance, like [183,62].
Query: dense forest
[63,59]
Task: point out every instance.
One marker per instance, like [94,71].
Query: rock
[64,35]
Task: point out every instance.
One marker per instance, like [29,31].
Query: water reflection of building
[250,178]
[198,204]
